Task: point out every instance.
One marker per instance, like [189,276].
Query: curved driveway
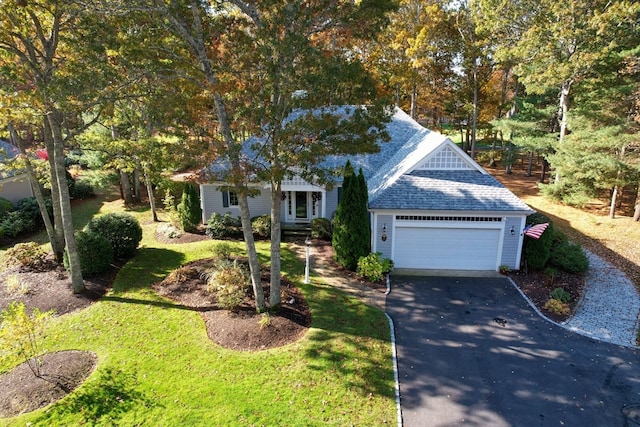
[459,363]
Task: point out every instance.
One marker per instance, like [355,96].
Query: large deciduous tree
[53,53]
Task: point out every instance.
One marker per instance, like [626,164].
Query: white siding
[211,200]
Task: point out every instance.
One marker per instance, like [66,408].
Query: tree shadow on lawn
[147,267]
[107,398]
[346,332]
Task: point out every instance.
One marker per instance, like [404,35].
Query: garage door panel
[446,248]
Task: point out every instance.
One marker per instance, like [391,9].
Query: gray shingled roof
[448,190]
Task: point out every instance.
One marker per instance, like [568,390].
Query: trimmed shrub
[224,250]
[229,282]
[16,223]
[31,211]
[373,267]
[537,251]
[569,257]
[261,226]
[28,255]
[122,230]
[82,190]
[321,228]
[189,210]
[224,226]
[558,307]
[6,206]
[95,253]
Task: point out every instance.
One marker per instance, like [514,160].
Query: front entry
[302,206]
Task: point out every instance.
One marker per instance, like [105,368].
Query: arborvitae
[351,224]
[189,210]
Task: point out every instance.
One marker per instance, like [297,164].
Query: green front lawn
[157,366]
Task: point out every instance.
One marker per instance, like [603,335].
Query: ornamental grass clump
[558,302]
[229,282]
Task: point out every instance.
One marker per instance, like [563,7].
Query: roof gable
[445,157]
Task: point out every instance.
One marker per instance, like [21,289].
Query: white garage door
[446,248]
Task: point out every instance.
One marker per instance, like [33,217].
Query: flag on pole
[536,230]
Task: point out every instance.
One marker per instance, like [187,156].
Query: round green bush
[321,228]
[537,251]
[261,226]
[223,227]
[95,253]
[569,257]
[122,230]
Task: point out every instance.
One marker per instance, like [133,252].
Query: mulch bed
[537,286]
[60,373]
[242,329]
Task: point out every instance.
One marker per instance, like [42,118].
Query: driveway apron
[472,352]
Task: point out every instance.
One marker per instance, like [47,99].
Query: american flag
[536,230]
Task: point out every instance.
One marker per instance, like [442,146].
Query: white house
[431,205]
[14,185]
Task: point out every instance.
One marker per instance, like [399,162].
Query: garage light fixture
[512,231]
[384,233]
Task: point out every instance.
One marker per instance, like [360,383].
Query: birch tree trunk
[58,244]
[77,283]
[57,247]
[193,35]
[563,112]
[474,116]
[274,296]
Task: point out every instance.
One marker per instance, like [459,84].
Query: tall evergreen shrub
[189,210]
[537,251]
[351,239]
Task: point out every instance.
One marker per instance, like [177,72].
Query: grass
[158,367]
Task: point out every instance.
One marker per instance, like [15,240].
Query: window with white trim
[229,198]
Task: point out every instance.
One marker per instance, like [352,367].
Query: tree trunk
[636,211]
[125,188]
[474,116]
[243,204]
[543,172]
[151,196]
[77,283]
[274,295]
[612,207]
[37,192]
[58,243]
[563,112]
[414,100]
[136,186]
[233,148]
[530,165]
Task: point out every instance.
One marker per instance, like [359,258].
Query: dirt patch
[242,329]
[60,373]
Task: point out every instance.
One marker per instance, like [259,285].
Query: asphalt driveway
[472,352]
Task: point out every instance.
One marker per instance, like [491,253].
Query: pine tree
[351,226]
